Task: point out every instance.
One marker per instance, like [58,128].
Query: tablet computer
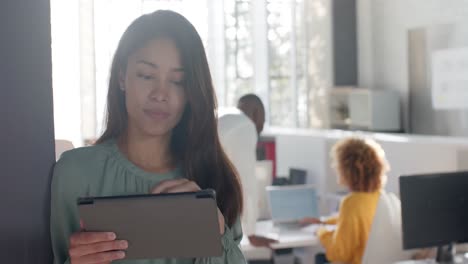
[175,225]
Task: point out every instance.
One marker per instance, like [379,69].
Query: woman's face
[154,88]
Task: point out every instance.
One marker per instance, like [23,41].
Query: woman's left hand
[184,185]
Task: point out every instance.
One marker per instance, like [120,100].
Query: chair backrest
[385,244]
[62,146]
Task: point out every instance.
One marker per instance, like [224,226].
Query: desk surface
[458,259]
[304,237]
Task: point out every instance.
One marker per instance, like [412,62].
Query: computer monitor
[434,209]
[297,176]
[292,203]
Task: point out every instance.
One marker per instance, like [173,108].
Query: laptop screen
[292,203]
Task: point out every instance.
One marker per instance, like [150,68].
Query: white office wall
[382,38]
[416,158]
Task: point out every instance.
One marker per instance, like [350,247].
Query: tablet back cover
[183,225]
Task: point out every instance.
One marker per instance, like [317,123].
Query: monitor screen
[292,203]
[434,209]
[297,176]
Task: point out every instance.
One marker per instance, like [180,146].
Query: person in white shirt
[238,136]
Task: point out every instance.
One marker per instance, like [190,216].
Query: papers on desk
[301,237]
[278,232]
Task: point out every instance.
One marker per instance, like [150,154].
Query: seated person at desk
[361,167]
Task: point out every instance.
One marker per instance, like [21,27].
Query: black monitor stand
[445,254]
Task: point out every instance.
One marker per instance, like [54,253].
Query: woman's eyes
[145,76]
[149,77]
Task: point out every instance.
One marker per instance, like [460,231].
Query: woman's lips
[156,114]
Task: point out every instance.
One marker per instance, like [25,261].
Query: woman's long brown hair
[195,143]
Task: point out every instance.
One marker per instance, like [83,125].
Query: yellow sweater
[347,242]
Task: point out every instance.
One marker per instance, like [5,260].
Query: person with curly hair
[361,167]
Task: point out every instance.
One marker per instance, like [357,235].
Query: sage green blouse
[102,170]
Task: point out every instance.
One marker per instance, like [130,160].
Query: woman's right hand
[95,248]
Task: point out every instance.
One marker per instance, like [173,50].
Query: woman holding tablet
[160,137]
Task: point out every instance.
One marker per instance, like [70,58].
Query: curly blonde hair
[360,163]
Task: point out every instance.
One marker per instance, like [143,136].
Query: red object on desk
[266,150]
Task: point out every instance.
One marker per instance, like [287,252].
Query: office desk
[459,259]
[300,238]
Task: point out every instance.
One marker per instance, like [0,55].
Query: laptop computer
[289,204]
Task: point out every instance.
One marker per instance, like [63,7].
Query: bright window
[253,46]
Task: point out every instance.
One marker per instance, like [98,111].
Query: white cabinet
[364,109]
[374,110]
